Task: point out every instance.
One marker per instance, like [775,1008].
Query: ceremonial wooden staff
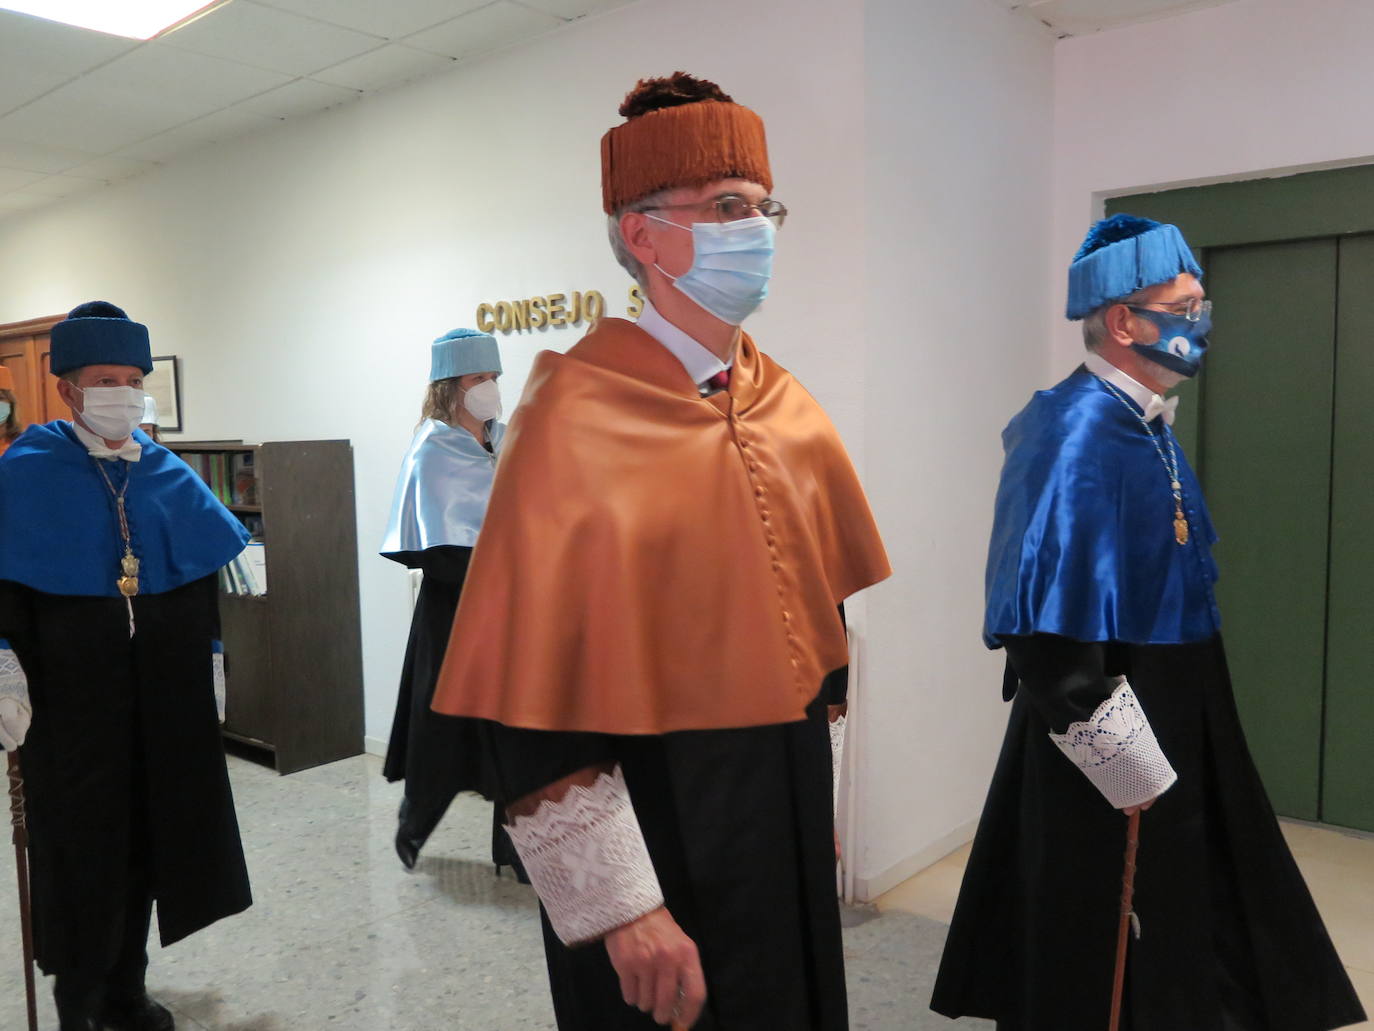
[21,862]
[1123,929]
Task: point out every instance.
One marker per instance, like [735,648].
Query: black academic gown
[124,768]
[424,750]
[1231,940]
[740,827]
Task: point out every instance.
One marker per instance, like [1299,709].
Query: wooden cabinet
[294,654]
[24,351]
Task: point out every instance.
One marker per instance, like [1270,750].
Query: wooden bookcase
[293,669]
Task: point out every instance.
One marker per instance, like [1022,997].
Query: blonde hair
[441,397]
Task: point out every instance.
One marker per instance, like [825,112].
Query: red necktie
[720,380]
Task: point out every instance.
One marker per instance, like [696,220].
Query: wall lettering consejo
[546,311]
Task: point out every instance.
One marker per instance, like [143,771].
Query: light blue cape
[443,488]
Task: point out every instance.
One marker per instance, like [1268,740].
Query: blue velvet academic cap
[1121,255]
[460,352]
[98,333]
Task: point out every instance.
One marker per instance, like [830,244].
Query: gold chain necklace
[1170,465]
[127,582]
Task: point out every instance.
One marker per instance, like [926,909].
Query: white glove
[15,712]
[14,723]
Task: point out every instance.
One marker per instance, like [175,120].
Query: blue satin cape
[443,489]
[1083,537]
[59,531]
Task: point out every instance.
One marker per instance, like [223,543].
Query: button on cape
[655,561]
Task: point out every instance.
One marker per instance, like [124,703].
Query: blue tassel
[1121,255]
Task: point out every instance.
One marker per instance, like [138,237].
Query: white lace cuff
[1116,750]
[586,857]
[13,683]
[836,758]
[217,663]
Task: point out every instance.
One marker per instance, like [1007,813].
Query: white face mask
[112,412]
[5,409]
[484,400]
[732,263]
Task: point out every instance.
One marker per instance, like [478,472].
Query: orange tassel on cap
[681,131]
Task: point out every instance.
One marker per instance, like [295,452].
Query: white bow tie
[132,451]
[1160,406]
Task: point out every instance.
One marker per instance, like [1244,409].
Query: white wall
[301,273]
[958,170]
[1242,91]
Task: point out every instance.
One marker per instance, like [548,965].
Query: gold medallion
[1180,526]
[129,563]
[128,586]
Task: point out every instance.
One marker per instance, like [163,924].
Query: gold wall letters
[549,311]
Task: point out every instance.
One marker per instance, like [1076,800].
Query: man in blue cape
[1099,587]
[110,677]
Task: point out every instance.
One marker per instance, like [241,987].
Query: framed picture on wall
[163,384]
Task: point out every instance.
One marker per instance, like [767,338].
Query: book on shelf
[243,479]
[246,574]
[231,477]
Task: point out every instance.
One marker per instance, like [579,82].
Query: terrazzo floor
[342,938]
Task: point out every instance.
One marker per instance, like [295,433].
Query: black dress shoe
[142,1014]
[407,848]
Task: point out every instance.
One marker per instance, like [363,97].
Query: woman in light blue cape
[441,498]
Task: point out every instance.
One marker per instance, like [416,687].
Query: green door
[1347,796]
[1280,425]
[1265,463]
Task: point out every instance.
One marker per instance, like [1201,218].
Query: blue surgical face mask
[731,266]
[5,409]
[1181,344]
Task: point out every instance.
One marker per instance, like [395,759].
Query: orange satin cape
[654,561]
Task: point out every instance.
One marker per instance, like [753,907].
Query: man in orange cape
[651,640]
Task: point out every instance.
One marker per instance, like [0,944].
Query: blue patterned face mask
[1182,341]
[731,266]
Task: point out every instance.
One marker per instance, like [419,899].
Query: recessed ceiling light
[136,19]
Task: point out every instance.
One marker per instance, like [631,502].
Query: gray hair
[1095,322]
[619,248]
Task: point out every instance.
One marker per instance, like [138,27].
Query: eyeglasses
[1190,308]
[731,207]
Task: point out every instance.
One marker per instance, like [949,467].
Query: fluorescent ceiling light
[136,19]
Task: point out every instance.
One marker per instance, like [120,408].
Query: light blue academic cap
[460,352]
[1121,255]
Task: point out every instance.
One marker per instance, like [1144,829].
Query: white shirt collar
[700,362]
[131,450]
[1128,385]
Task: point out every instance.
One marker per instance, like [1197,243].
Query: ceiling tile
[392,64]
[489,28]
[1080,17]
[38,157]
[574,8]
[54,186]
[12,179]
[110,169]
[15,203]
[222,125]
[37,55]
[85,116]
[301,97]
[157,69]
[272,39]
[393,19]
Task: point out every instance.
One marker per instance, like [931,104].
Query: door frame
[1321,204]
